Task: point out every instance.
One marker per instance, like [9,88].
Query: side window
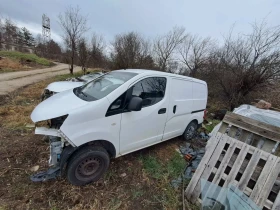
[151,90]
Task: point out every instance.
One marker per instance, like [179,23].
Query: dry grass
[7,64]
[15,112]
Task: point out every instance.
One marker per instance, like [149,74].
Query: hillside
[11,61]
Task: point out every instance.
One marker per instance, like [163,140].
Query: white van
[113,115]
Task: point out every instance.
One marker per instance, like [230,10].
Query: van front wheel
[87,165]
[190,130]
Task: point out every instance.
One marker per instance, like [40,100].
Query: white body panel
[87,121]
[58,87]
[143,128]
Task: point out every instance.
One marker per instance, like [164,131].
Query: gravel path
[14,80]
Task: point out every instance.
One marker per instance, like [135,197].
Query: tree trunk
[72,64]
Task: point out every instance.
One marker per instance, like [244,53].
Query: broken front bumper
[60,151]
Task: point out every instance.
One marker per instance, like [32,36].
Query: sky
[148,17]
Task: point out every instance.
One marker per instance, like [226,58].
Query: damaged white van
[113,115]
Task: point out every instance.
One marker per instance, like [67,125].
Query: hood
[58,105]
[63,85]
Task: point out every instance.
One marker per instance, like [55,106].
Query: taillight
[204,115]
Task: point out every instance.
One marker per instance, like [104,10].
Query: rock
[123,175]
[34,168]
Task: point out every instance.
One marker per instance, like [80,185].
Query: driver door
[143,128]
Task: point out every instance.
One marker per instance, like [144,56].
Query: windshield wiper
[83,93]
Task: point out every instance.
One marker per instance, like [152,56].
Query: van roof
[148,72]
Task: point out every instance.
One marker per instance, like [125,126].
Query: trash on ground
[30,125]
[263,115]
[193,154]
[263,104]
[216,197]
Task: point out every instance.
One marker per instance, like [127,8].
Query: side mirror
[135,104]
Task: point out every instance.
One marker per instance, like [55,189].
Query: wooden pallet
[261,135]
[231,158]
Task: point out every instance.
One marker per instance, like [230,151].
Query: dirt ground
[140,180]
[12,81]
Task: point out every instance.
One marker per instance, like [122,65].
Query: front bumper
[60,151]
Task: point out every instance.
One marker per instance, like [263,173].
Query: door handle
[174,109]
[162,111]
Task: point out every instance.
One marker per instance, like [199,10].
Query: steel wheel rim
[191,131]
[88,168]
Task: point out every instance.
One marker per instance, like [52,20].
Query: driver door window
[151,90]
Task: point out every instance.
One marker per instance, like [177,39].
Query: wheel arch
[69,151]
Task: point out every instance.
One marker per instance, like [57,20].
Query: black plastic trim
[197,111]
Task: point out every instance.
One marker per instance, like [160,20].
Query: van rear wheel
[190,130]
[87,165]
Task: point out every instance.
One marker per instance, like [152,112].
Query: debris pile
[192,153]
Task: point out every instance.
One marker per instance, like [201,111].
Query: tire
[87,165]
[190,130]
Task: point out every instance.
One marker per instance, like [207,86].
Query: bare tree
[194,52]
[164,46]
[131,51]
[98,43]
[83,53]
[247,63]
[74,26]
[1,32]
[97,47]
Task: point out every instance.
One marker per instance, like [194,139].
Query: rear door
[140,129]
[180,107]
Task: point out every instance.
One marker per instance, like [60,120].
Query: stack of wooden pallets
[240,154]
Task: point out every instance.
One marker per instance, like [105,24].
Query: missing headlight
[57,122]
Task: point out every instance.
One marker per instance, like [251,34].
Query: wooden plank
[225,160]
[268,204]
[209,166]
[256,173]
[276,205]
[269,185]
[263,177]
[211,146]
[219,172]
[254,126]
[233,131]
[244,136]
[237,164]
[249,170]
[223,128]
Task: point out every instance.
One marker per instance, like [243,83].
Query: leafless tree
[74,25]
[194,52]
[247,63]
[83,53]
[1,32]
[164,46]
[131,51]
[97,47]
[98,43]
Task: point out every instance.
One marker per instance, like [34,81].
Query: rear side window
[151,90]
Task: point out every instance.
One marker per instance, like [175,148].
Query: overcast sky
[149,17]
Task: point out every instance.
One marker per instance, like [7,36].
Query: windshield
[102,86]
